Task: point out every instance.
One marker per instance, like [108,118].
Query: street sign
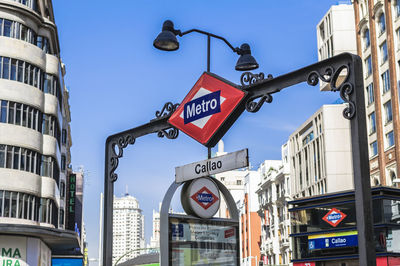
[333,240]
[334,217]
[227,162]
[200,197]
[209,109]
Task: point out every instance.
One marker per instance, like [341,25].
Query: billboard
[203,242]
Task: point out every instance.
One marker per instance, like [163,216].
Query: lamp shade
[166,40]
[246,61]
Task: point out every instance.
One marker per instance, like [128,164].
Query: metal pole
[208,70]
[101,230]
[113,151]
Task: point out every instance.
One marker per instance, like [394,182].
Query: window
[20,114]
[390,139]
[367,41]
[64,137]
[372,123]
[374,148]
[238,182]
[370,93]
[384,52]
[381,23]
[397,8]
[308,138]
[368,66]
[388,111]
[385,81]
[63,162]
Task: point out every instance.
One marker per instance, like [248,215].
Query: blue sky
[118,80]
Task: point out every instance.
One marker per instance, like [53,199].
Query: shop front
[324,230]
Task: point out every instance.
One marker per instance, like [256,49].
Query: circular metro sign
[201,197]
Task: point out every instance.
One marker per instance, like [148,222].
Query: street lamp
[167,41]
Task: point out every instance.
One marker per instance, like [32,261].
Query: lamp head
[246,61]
[166,40]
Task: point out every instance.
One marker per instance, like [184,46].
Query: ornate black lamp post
[167,41]
[259,90]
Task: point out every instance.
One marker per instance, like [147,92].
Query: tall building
[377,27]
[250,222]
[128,229]
[336,35]
[155,237]
[320,154]
[273,196]
[35,136]
[233,181]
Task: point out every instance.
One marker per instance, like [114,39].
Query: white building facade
[35,136]
[128,229]
[273,194]
[155,236]
[320,154]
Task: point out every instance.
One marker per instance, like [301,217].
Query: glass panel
[16,157]
[1,33]
[35,76]
[22,165]
[14,204]
[2,155]
[6,68]
[6,204]
[7,28]
[24,33]
[388,110]
[3,115]
[9,157]
[13,75]
[370,91]
[17,29]
[18,114]
[31,75]
[24,112]
[1,65]
[26,206]
[29,113]
[39,41]
[28,161]
[34,114]
[11,113]
[20,205]
[26,73]
[20,74]
[1,203]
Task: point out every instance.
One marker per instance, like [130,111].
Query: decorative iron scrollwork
[346,88]
[116,152]
[248,78]
[169,133]
[313,77]
[253,107]
[168,109]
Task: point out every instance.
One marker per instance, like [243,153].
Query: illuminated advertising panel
[203,242]
[67,261]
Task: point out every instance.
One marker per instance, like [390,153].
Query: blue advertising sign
[177,230]
[333,240]
[66,262]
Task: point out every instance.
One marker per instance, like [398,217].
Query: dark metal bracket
[115,145]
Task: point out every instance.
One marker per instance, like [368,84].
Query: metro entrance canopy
[257,90]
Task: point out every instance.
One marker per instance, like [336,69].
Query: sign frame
[223,163]
[224,125]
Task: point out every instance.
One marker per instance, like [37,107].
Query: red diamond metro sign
[334,217]
[209,109]
[205,198]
